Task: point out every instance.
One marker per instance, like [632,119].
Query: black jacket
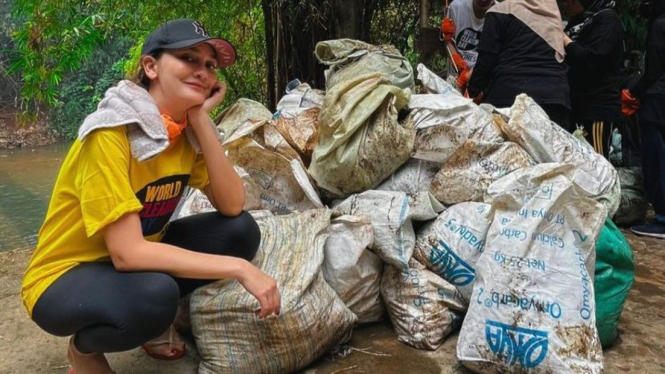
[513,59]
[594,74]
[652,81]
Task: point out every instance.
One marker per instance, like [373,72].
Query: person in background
[109,268]
[594,52]
[649,93]
[468,17]
[521,51]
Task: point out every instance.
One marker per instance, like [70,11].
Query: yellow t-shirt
[100,181]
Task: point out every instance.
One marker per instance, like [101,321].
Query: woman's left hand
[566,40]
[218,93]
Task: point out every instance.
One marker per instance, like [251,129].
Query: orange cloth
[448,29]
[463,79]
[174,128]
[629,104]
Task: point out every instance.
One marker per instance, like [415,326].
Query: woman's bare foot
[168,346]
[87,363]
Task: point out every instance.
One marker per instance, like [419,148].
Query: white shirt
[469,28]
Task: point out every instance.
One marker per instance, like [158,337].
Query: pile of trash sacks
[373,200]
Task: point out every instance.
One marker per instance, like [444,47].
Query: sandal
[171,339]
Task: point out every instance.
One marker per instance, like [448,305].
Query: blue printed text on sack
[500,300]
[466,234]
[586,310]
[518,262]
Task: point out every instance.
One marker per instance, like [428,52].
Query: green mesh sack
[615,271]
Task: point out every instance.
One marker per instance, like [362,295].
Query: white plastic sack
[444,122]
[274,167]
[297,118]
[351,269]
[423,206]
[232,339]
[472,168]
[299,99]
[349,59]
[390,213]
[545,141]
[532,309]
[358,125]
[433,83]
[195,201]
[451,245]
[424,309]
[243,113]
[412,177]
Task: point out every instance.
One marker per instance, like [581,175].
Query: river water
[27,176]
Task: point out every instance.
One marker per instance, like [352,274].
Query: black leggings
[110,311]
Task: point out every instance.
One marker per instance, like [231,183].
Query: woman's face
[186,76]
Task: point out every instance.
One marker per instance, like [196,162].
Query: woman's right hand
[263,288]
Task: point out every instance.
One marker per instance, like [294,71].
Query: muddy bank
[13,134]
[25,349]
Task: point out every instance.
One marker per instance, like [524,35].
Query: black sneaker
[653,229]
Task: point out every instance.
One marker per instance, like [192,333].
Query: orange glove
[448,29]
[629,104]
[459,62]
[463,79]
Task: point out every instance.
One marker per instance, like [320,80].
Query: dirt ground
[640,349]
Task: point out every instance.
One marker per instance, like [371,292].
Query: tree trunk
[270,53]
[294,28]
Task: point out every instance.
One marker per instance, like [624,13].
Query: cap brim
[226,53]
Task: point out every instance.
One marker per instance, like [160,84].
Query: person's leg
[213,233]
[653,170]
[560,115]
[599,135]
[105,310]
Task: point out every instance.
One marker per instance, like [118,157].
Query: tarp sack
[423,206]
[390,213]
[358,126]
[412,177]
[230,337]
[301,132]
[274,167]
[473,167]
[297,118]
[195,201]
[451,245]
[533,307]
[351,269]
[299,97]
[444,122]
[350,59]
[545,141]
[615,273]
[634,205]
[434,84]
[424,309]
[243,113]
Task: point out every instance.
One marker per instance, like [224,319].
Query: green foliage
[67,52]
[634,25]
[82,90]
[54,37]
[42,59]
[395,22]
